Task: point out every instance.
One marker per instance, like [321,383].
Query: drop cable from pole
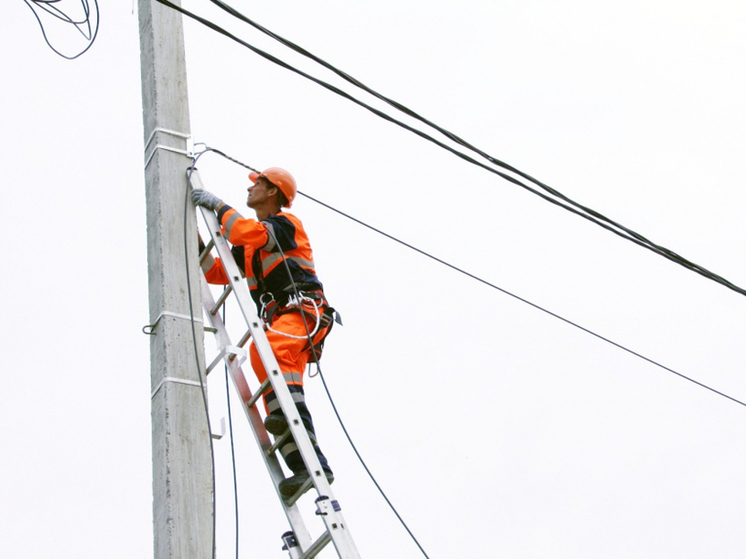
[233,448]
[202,379]
[505,291]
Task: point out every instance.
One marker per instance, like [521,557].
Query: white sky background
[496,430]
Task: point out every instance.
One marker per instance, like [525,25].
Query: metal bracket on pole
[220,435]
[176,381]
[149,329]
[188,150]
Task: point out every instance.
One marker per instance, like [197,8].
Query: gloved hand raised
[205,199]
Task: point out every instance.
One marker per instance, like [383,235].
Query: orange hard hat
[279,178]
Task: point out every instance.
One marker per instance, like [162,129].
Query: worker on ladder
[275,256]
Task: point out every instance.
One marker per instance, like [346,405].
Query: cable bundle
[86,25]
[493,164]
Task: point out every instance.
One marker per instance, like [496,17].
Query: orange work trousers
[292,354]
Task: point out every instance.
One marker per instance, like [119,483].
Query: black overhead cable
[502,290]
[331,87]
[385,116]
[85,26]
[554,197]
[493,286]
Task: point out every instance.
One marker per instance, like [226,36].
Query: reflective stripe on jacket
[256,248]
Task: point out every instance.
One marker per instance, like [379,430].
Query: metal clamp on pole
[149,329]
[188,150]
[174,380]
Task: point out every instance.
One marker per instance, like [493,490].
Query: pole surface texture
[182,478]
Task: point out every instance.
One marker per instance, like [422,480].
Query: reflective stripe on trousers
[292,354]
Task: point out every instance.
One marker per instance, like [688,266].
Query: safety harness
[315,309]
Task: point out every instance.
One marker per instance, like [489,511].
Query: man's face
[259,192]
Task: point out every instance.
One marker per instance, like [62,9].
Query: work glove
[205,199]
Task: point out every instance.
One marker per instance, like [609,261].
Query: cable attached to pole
[519,298]
[196,357]
[233,447]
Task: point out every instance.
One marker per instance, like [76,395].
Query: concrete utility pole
[182,478]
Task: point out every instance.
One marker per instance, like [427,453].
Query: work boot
[290,486]
[276,424]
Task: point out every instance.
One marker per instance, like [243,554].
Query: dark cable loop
[562,200]
[83,26]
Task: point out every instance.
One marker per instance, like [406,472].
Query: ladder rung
[232,353]
[205,253]
[245,338]
[278,443]
[258,394]
[317,546]
[221,299]
[282,438]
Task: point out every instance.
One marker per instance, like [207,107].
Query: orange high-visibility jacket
[258,248]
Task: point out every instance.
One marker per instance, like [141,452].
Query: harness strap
[327,321]
[326,318]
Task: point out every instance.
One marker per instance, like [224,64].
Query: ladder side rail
[336,529]
[331,516]
[276,378]
[336,526]
[257,425]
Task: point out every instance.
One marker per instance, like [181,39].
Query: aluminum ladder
[297,541]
